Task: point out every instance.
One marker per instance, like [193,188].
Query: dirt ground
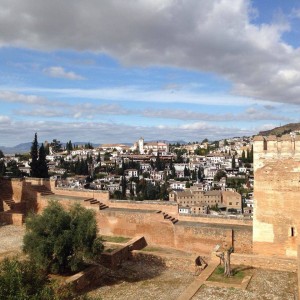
[264,285]
[11,240]
[143,280]
[152,279]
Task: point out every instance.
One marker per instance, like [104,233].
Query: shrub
[60,241]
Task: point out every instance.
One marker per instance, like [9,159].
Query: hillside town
[204,178]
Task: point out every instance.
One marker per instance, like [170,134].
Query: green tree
[243,156]
[42,163]
[186,172]
[1,154]
[124,186]
[2,168]
[59,241]
[233,164]
[69,146]
[23,280]
[13,168]
[219,175]
[250,158]
[34,169]
[56,145]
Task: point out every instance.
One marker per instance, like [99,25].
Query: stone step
[88,199]
[94,201]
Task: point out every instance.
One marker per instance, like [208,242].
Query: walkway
[196,284]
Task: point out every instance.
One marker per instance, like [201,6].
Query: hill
[25,147]
[278,131]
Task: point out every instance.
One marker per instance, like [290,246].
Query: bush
[59,241]
[23,280]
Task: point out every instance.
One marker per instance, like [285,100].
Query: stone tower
[276,220]
[141,145]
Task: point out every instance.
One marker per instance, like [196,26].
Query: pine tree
[42,163]
[34,169]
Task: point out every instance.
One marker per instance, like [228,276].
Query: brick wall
[263,261]
[102,196]
[189,236]
[165,206]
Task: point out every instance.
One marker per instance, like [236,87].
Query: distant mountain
[25,147]
[21,148]
[279,131]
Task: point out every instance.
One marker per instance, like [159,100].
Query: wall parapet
[216,219]
[284,145]
[81,190]
[145,202]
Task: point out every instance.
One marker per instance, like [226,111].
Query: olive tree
[59,241]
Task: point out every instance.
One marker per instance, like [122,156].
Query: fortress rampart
[276,221]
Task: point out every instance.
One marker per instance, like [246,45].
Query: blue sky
[111,71]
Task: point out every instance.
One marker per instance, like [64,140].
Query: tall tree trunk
[227,268]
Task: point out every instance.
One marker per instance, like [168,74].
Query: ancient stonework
[276,220]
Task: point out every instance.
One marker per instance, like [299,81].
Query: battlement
[286,145]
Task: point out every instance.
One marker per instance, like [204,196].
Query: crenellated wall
[276,220]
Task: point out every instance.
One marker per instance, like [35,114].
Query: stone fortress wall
[276,221]
[158,221]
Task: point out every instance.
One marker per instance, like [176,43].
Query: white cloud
[60,72]
[145,94]
[215,36]
[13,97]
[101,132]
[4,119]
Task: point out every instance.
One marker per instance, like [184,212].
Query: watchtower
[276,220]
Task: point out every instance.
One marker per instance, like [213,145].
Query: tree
[233,164]
[55,145]
[186,172]
[2,168]
[42,163]
[250,158]
[59,241]
[13,168]
[224,255]
[124,186]
[219,175]
[22,279]
[34,170]
[243,156]
[1,154]
[69,146]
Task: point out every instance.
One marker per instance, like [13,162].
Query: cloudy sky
[112,70]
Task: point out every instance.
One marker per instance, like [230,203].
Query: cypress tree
[34,169]
[2,168]
[42,163]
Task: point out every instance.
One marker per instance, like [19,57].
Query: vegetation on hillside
[281,130]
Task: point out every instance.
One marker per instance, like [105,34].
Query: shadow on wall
[6,195]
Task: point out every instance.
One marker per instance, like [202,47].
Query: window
[230,203]
[292,231]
